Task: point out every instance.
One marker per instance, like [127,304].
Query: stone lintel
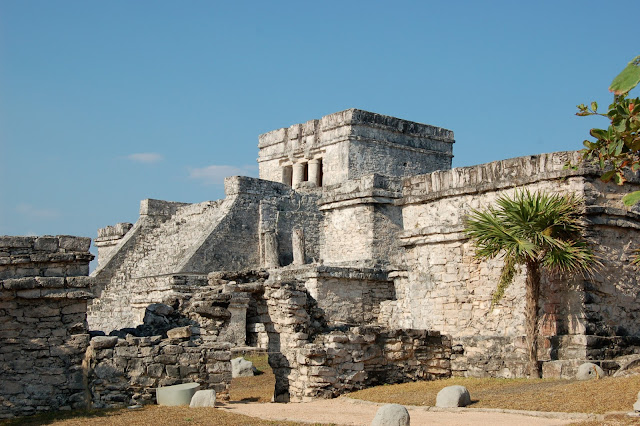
[304,272]
[356,199]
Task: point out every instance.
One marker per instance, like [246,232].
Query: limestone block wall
[108,238]
[354,143]
[127,371]
[610,298]
[441,286]
[43,328]
[348,295]
[361,221]
[361,357]
[281,216]
[173,239]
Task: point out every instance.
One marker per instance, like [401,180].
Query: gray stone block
[104,342]
[203,398]
[240,367]
[391,415]
[46,244]
[71,243]
[179,333]
[453,396]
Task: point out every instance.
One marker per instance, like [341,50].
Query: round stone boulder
[453,396]
[391,415]
[588,371]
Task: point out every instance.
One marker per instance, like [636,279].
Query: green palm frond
[544,228]
[506,278]
[636,258]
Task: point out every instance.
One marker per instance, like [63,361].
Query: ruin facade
[348,263]
[363,214]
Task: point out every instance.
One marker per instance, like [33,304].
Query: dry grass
[243,389]
[595,396]
[258,388]
[149,415]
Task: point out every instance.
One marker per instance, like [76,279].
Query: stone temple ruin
[346,261]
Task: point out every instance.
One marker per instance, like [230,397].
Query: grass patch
[593,396]
[258,388]
[149,415]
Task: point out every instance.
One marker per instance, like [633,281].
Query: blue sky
[103,104]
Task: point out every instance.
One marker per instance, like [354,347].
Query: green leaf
[598,133]
[627,79]
[608,175]
[588,144]
[631,198]
[594,106]
[618,178]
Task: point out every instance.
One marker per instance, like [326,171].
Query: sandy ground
[346,411]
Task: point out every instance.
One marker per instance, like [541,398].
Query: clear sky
[105,103]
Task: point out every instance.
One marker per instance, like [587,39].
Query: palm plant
[539,230]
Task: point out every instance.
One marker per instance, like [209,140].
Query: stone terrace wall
[43,328]
[443,287]
[127,371]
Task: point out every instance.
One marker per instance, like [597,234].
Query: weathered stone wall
[313,360]
[443,287]
[348,295]
[127,371]
[43,328]
[361,357]
[361,222]
[355,143]
[175,240]
[108,239]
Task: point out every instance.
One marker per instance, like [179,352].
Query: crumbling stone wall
[442,286]
[43,328]
[313,360]
[127,371]
[361,357]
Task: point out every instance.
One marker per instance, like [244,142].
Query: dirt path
[346,411]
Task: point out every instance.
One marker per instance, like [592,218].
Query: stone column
[297,241]
[298,174]
[287,179]
[314,171]
[270,247]
[236,331]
